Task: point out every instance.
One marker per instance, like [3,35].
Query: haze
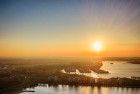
[68,28]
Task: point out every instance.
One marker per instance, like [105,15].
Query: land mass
[17,74]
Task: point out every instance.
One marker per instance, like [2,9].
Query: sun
[97,46]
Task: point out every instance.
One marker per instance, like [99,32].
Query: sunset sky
[44,28]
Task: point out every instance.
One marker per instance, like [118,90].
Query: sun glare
[97,46]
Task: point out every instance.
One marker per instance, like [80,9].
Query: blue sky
[68,25]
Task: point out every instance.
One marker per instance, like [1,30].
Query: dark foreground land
[17,74]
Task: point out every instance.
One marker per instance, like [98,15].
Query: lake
[65,89]
[120,69]
[115,68]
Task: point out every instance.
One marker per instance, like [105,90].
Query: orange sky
[68,29]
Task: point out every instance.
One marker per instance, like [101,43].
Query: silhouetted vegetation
[129,59]
[17,74]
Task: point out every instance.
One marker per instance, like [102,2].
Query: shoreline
[73,80]
[17,77]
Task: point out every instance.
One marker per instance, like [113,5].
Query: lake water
[115,69]
[120,69]
[65,89]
